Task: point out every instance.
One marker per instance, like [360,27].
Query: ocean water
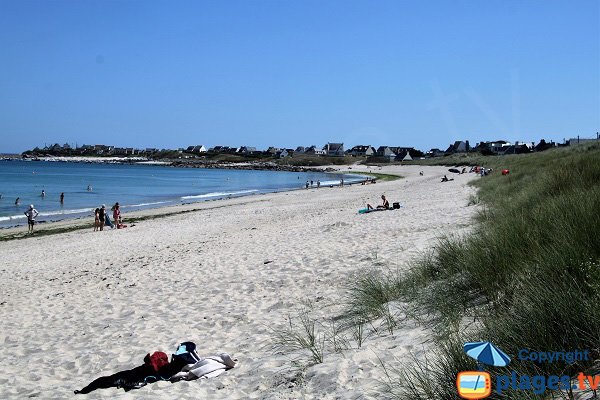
[133,186]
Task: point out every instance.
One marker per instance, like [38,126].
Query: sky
[170,74]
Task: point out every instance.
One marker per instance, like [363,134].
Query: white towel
[207,367]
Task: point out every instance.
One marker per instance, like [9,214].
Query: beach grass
[526,276]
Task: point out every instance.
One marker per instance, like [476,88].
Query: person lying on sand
[445,179]
[185,364]
[384,206]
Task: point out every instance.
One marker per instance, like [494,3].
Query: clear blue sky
[287,73]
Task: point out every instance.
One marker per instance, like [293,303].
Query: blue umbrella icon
[487,353]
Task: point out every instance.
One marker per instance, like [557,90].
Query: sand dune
[79,305]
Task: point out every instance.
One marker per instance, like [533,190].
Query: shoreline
[77,212]
[50,227]
[78,303]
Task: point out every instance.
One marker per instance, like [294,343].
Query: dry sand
[78,305]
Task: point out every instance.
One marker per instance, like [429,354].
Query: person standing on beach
[307,184]
[62,198]
[31,215]
[96,219]
[318,184]
[116,209]
[101,216]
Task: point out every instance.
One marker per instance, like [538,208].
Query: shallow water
[133,186]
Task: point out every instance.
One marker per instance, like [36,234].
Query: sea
[89,185]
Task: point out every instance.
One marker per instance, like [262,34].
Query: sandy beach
[79,305]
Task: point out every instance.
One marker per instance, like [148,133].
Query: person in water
[384,206]
[62,198]
[17,201]
[43,194]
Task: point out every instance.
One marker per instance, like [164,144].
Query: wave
[154,203]
[218,194]
[50,214]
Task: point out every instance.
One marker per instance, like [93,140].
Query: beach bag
[157,360]
[396,206]
[186,354]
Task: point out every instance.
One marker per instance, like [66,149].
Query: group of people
[102,218]
[481,170]
[307,185]
[43,196]
[368,181]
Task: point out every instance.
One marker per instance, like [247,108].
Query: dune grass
[527,276]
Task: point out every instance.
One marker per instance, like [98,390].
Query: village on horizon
[382,153]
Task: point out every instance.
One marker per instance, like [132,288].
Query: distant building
[578,140]
[459,147]
[247,150]
[361,150]
[282,153]
[403,155]
[543,145]
[435,152]
[518,148]
[196,149]
[314,150]
[385,152]
[334,149]
[496,147]
[222,149]
[401,152]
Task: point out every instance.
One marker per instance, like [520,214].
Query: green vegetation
[379,177]
[528,275]
[310,160]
